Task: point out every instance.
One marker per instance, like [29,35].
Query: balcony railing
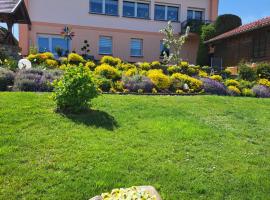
[194,25]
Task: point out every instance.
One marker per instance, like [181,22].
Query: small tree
[174,43]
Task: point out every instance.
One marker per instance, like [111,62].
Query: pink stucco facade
[50,16]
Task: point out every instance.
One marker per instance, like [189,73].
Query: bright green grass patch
[201,147]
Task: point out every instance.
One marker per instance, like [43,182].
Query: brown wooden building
[250,42]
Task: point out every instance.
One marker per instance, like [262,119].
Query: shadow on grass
[94,118]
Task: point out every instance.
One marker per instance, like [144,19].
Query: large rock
[150,189]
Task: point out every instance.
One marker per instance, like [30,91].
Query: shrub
[118,86]
[232,82]
[126,66]
[134,83]
[103,84]
[160,80]
[91,65]
[173,69]
[107,71]
[226,73]
[213,87]
[247,92]
[145,66]
[9,63]
[178,81]
[246,84]
[6,79]
[35,80]
[75,90]
[155,65]
[110,61]
[247,73]
[261,91]
[216,78]
[202,74]
[264,82]
[51,63]
[226,23]
[263,70]
[233,91]
[131,72]
[74,58]
[63,60]
[192,71]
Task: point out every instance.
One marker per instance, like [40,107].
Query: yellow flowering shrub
[47,55]
[173,69]
[264,82]
[193,83]
[51,63]
[110,61]
[131,72]
[133,193]
[159,79]
[203,74]
[234,91]
[91,65]
[232,82]
[155,65]
[183,64]
[216,78]
[145,66]
[126,66]
[75,58]
[107,71]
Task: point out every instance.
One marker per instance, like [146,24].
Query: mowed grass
[201,147]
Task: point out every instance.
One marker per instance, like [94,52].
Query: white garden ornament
[24,64]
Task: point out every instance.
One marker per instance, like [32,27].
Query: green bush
[91,65]
[247,92]
[263,70]
[226,23]
[6,79]
[75,90]
[232,82]
[173,69]
[247,73]
[110,61]
[155,65]
[178,81]
[107,71]
[103,84]
[145,66]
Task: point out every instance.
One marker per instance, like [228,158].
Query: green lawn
[201,147]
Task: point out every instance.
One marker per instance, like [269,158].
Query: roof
[15,11]
[8,6]
[243,29]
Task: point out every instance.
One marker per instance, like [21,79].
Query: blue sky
[248,10]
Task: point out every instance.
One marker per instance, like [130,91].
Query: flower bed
[114,76]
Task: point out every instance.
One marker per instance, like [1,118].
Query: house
[128,29]
[250,42]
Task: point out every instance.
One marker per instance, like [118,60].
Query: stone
[149,189]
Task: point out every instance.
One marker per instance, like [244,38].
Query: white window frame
[105,36]
[141,47]
[136,9]
[166,11]
[50,37]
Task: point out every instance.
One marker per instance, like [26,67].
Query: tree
[174,43]
[227,22]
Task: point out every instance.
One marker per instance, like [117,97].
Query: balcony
[194,25]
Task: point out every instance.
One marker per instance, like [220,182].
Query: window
[166,13]
[128,9]
[259,46]
[195,14]
[108,7]
[105,45]
[50,42]
[136,47]
[135,9]
[143,10]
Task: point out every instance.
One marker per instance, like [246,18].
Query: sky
[248,10]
